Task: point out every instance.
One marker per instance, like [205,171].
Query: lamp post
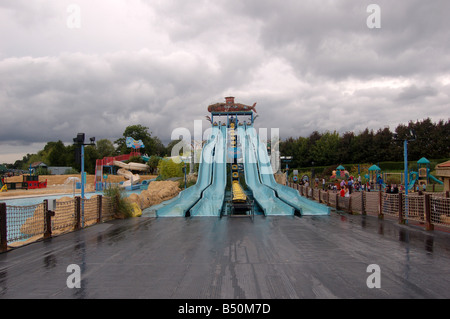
[411,137]
[286,159]
[185,159]
[79,140]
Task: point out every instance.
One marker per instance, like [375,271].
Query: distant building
[59,170]
[37,165]
[443,170]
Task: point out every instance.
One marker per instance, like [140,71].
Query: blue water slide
[434,178]
[286,194]
[413,178]
[263,195]
[213,196]
[188,197]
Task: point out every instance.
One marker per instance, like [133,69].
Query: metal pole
[82,185]
[287,174]
[405,154]
[185,175]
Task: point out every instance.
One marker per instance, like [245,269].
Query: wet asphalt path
[273,257]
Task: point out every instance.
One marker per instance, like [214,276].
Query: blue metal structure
[189,197]
[207,196]
[211,202]
[285,193]
[264,196]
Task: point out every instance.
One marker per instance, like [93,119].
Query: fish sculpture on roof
[231,106]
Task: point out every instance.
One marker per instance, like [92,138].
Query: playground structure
[340,172]
[419,178]
[416,178]
[234,146]
[110,162]
[422,177]
[28,182]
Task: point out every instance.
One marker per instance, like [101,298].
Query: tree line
[432,140]
[59,154]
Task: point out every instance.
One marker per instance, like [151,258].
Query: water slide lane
[213,196]
[435,179]
[188,197]
[262,194]
[285,193]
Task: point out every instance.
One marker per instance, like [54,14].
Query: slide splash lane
[189,197]
[285,193]
[263,195]
[213,197]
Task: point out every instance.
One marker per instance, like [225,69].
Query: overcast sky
[98,66]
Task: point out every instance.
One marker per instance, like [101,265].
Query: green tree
[105,148]
[153,163]
[56,154]
[152,145]
[383,145]
[346,148]
[90,156]
[324,151]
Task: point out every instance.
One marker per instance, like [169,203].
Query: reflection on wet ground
[273,257]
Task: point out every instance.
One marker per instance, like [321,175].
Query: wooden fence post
[350,204]
[99,207]
[428,224]
[77,212]
[3,234]
[363,207]
[400,209]
[48,220]
[380,205]
[337,200]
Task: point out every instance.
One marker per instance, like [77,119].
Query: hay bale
[157,192]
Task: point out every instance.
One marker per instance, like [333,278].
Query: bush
[153,163]
[124,209]
[168,169]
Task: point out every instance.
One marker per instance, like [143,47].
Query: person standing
[342,192]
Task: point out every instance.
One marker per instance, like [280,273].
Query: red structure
[28,182]
[109,162]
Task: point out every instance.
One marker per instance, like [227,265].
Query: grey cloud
[413,92]
[308,65]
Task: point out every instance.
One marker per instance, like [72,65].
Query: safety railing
[425,208]
[20,225]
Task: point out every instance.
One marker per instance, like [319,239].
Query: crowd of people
[346,187]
